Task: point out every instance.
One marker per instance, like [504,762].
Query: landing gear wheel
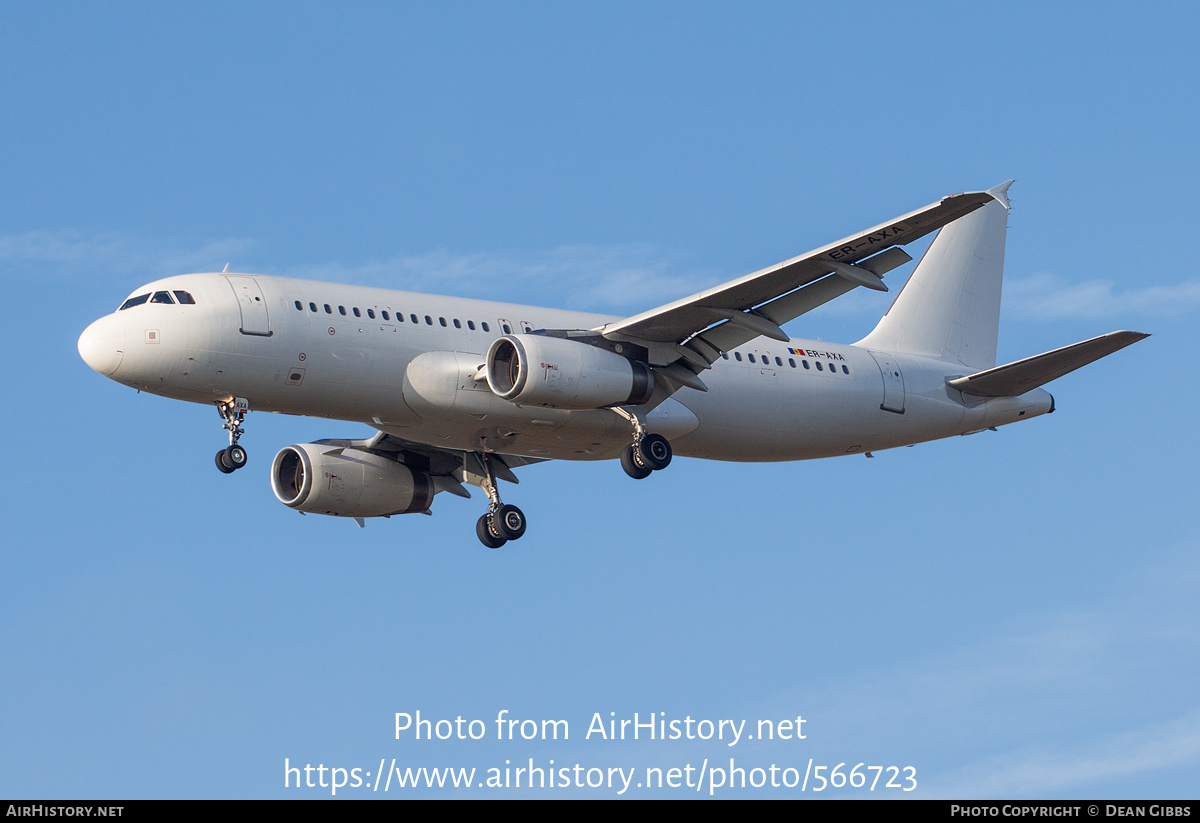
[233,412]
[234,456]
[483,528]
[632,467]
[510,521]
[655,451]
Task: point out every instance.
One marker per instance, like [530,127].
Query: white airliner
[464,391]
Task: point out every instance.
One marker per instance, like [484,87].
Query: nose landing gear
[232,457]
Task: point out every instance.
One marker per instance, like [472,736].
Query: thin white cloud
[1093,688]
[1050,297]
[67,254]
[858,303]
[626,278]
[1085,768]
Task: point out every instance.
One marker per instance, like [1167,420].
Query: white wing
[696,329]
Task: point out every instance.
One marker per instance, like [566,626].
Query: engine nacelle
[535,370]
[321,478]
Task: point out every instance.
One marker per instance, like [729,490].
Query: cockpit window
[162,297]
[134,301]
[184,298]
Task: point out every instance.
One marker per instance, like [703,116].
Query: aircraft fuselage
[405,363]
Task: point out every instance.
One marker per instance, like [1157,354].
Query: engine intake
[535,370]
[320,478]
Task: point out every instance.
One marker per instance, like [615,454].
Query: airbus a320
[462,392]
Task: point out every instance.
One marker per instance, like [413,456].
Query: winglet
[1001,193]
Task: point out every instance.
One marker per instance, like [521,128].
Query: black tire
[235,456]
[510,522]
[655,451]
[631,465]
[222,465]
[484,531]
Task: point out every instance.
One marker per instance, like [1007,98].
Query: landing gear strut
[503,522]
[647,453]
[232,457]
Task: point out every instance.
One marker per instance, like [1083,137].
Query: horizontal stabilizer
[1025,375]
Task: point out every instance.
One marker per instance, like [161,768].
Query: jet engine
[320,478]
[536,370]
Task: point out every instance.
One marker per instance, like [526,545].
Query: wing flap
[445,466]
[729,336]
[1016,378]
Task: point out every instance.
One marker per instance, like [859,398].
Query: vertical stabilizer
[950,306]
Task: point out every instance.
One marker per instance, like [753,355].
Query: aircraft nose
[102,344]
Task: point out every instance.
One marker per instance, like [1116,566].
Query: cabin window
[507,330]
[385,315]
[371,313]
[328,310]
[485,326]
[805,362]
[724,356]
[750,357]
[737,355]
[313,307]
[471,325]
[819,366]
[791,362]
[184,298]
[428,320]
[342,311]
[457,324]
[357,313]
[845,369]
[442,320]
[134,301]
[299,306]
[778,362]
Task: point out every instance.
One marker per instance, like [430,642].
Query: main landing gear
[502,522]
[232,457]
[647,453]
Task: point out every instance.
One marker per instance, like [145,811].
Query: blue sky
[1013,614]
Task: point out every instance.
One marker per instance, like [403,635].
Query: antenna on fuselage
[225,269]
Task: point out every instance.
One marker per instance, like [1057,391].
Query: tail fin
[950,306]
